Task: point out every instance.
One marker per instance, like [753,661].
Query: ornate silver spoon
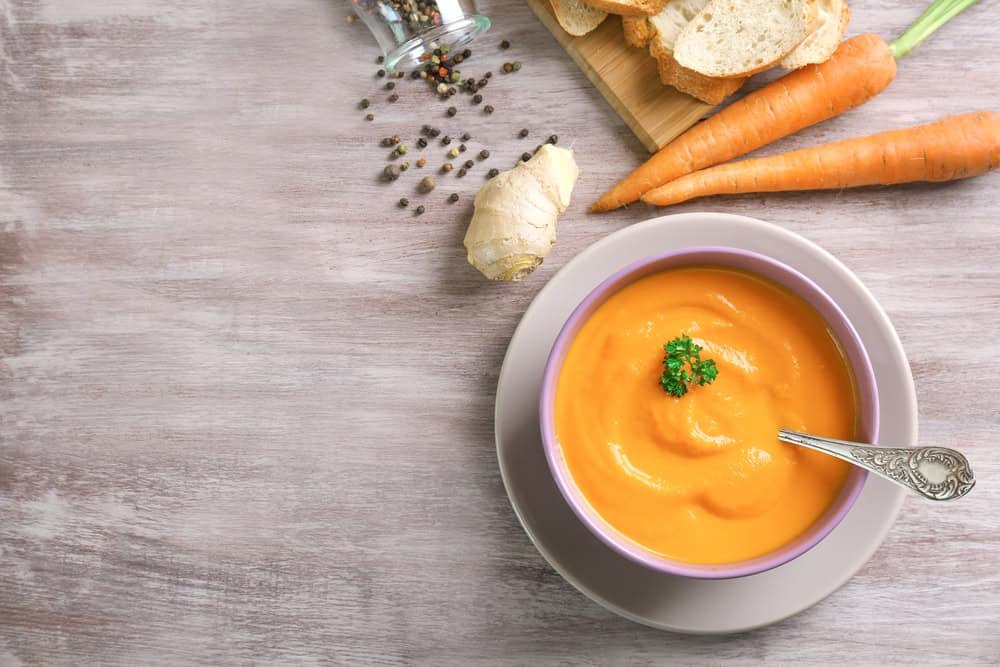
[937,473]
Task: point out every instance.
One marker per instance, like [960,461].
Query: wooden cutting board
[627,78]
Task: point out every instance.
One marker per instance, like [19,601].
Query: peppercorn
[517,65]
[452,91]
[492,173]
[488,75]
[445,140]
[380,73]
[476,99]
[442,88]
[419,210]
[393,140]
[394,97]
[458,59]
[461,148]
[453,197]
[446,167]
[505,44]
[404,166]
[453,153]
[452,111]
[351,18]
[387,141]
[437,52]
[469,164]
[525,156]
[462,172]
[370,117]
[403,202]
[523,133]
[365,103]
[434,132]
[421,162]
[427,183]
[390,85]
[466,53]
[508,68]
[488,108]
[391,172]
[414,74]
[402,149]
[553,139]
[456,76]
[482,83]
[465,136]
[483,154]
[421,143]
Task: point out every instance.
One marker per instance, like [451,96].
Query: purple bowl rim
[864,377]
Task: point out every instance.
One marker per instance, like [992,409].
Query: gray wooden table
[246,402]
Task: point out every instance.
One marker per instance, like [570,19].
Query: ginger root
[513,227]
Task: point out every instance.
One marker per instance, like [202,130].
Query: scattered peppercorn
[458,59]
[434,132]
[525,156]
[380,73]
[364,104]
[452,111]
[370,117]
[419,210]
[380,60]
[421,143]
[445,140]
[391,172]
[553,139]
[442,89]
[404,166]
[477,98]
[421,162]
[453,153]
[403,202]
[466,53]
[427,183]
[446,167]
[461,148]
[390,85]
[453,197]
[393,97]
[523,133]
[488,75]
[492,173]
[414,74]
[505,44]
[482,83]
[452,90]
[351,18]
[465,136]
[469,164]
[462,172]
[488,108]
[402,149]
[517,65]
[400,75]
[483,154]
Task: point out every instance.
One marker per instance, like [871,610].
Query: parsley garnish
[683,354]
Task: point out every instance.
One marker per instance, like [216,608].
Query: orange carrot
[860,69]
[952,148]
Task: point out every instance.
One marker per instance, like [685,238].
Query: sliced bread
[638,30]
[629,7]
[743,37]
[832,17]
[665,28]
[577,17]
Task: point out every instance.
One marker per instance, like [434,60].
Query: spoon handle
[937,473]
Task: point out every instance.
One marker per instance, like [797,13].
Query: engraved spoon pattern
[937,473]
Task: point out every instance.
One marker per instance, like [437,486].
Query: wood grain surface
[246,402]
[626,77]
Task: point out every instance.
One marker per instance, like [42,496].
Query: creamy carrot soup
[702,478]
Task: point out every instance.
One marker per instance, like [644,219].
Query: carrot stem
[939,13]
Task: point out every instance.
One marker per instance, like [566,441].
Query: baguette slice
[666,27]
[629,7]
[831,23]
[577,17]
[638,31]
[743,37]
